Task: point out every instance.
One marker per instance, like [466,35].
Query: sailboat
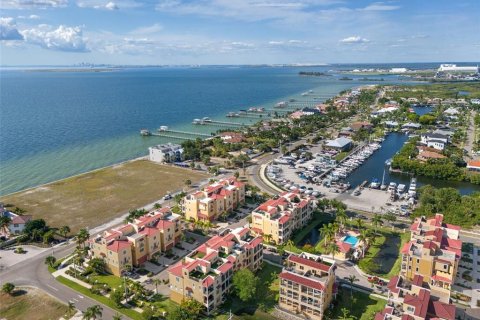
[383,186]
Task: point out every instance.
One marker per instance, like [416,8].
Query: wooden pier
[221,123]
[198,134]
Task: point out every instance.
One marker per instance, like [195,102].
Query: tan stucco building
[307,285]
[208,204]
[206,274]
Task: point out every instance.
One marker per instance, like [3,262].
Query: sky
[172,32]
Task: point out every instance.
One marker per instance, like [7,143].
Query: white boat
[163,128]
[375,184]
[206,119]
[281,104]
[392,186]
[145,132]
[401,188]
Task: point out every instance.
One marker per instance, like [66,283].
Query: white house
[339,143]
[434,140]
[17,223]
[451,112]
[166,153]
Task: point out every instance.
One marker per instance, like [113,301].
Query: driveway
[9,258]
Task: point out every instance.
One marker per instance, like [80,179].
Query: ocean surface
[57,124]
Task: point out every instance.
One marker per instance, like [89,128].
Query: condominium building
[206,274]
[307,285]
[433,253]
[409,300]
[134,243]
[277,218]
[166,153]
[217,198]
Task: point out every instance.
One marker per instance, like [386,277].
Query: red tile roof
[208,281]
[417,280]
[442,310]
[406,247]
[392,284]
[420,302]
[118,245]
[452,226]
[308,262]
[343,246]
[255,242]
[176,269]
[302,280]
[149,231]
[284,219]
[225,267]
[440,278]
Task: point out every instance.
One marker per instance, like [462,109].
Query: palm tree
[377,220]
[267,237]
[50,260]
[346,315]
[156,282]
[157,206]
[341,216]
[359,223]
[364,237]
[71,310]
[351,278]
[64,231]
[335,228]
[390,217]
[327,233]
[188,183]
[4,223]
[333,249]
[117,316]
[82,237]
[93,312]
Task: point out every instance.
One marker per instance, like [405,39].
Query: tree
[332,248]
[236,174]
[8,288]
[351,279]
[390,217]
[346,315]
[359,223]
[245,284]
[36,226]
[341,216]
[97,265]
[50,261]
[64,231]
[376,221]
[188,183]
[364,237]
[71,309]
[48,236]
[4,223]
[117,297]
[117,316]
[156,282]
[92,313]
[188,310]
[327,233]
[82,236]
[157,205]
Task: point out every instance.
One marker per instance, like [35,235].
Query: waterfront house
[342,144]
[356,126]
[473,165]
[231,137]
[307,285]
[206,274]
[411,125]
[434,140]
[166,153]
[425,155]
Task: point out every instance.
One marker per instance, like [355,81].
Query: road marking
[52,287]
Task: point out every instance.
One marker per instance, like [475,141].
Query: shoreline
[73,176]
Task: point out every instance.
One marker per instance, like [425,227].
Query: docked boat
[375,184]
[281,104]
[206,119]
[232,115]
[145,132]
[401,188]
[392,186]
[197,121]
[163,128]
[388,162]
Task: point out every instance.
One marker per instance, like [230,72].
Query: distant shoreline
[74,70]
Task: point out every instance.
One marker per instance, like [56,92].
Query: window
[444,267]
[15,225]
[418,260]
[416,269]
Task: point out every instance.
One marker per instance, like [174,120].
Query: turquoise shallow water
[57,124]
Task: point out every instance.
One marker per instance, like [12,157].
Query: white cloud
[33,17]
[108,5]
[63,38]
[32,4]
[380,6]
[8,29]
[354,39]
[154,28]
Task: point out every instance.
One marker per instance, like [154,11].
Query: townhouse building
[206,274]
[132,244]
[307,285]
[217,198]
[277,218]
[433,252]
[410,300]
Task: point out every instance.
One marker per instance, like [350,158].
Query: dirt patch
[30,303]
[97,197]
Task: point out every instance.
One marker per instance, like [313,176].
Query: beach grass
[97,197]
[30,303]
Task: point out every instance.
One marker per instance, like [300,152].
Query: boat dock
[198,134]
[220,123]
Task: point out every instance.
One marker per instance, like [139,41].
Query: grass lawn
[30,303]
[96,197]
[265,300]
[341,156]
[363,306]
[102,299]
[111,280]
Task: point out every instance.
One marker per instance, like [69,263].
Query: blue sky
[36,32]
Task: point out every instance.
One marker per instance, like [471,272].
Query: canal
[375,166]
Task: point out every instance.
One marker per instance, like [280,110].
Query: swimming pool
[351,240]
